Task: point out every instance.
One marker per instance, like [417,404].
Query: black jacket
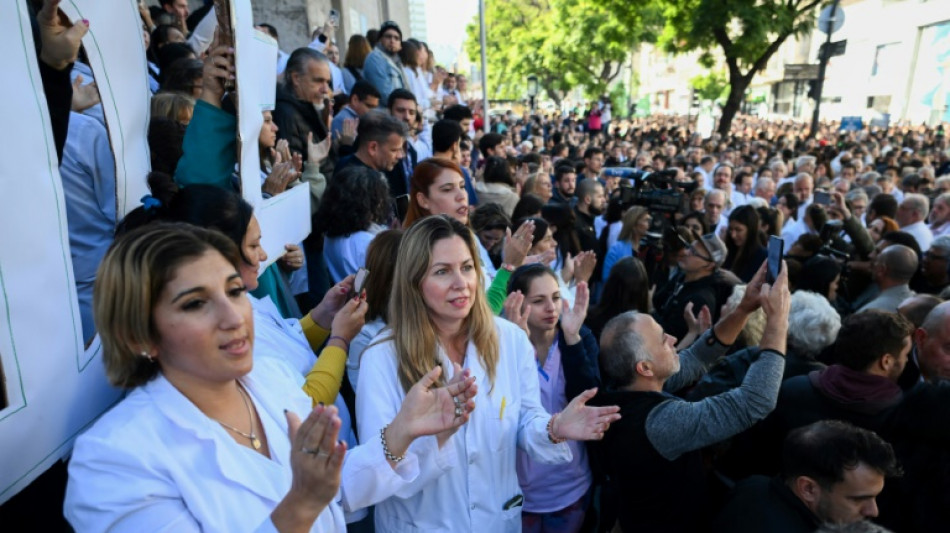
[670,300]
[763,504]
[398,177]
[295,119]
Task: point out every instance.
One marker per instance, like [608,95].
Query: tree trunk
[737,87]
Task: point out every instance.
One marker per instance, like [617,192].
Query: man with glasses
[699,282]
[933,270]
[382,67]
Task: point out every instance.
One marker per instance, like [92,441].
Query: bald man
[892,271]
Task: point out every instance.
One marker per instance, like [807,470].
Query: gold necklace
[255,442]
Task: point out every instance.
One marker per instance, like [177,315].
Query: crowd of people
[539,322]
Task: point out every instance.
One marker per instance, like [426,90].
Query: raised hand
[316,461]
[584,265]
[431,410]
[573,318]
[317,152]
[84,96]
[59,38]
[282,175]
[293,258]
[516,311]
[517,245]
[567,270]
[348,134]
[218,71]
[283,150]
[750,300]
[543,258]
[578,421]
[699,322]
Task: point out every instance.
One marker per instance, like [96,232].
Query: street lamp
[533,89]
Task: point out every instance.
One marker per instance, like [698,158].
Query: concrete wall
[295,19]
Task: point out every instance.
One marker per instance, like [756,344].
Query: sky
[445,24]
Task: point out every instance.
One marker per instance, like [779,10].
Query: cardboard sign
[53,387]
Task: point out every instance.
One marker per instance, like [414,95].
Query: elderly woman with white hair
[813,326]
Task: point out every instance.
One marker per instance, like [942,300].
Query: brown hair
[356,51]
[130,282]
[422,178]
[414,335]
[381,263]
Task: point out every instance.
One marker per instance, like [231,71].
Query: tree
[747,32]
[710,86]
[565,43]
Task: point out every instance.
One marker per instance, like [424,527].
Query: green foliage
[746,32]
[711,86]
[566,43]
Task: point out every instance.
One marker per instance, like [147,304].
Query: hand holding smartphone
[776,252]
[358,283]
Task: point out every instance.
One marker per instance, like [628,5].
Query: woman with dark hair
[497,185]
[354,209]
[770,221]
[627,288]
[820,275]
[294,341]
[183,76]
[161,35]
[746,252]
[563,223]
[170,53]
[695,222]
[788,206]
[566,354]
[357,48]
[529,206]
[381,264]
[636,223]
[490,224]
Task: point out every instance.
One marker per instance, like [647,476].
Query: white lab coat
[155,462]
[473,476]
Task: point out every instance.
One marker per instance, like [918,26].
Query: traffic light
[694,102]
[812,86]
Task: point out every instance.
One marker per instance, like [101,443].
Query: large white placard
[54,386]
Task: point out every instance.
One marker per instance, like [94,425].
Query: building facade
[896,66]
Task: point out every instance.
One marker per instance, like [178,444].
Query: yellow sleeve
[315,334]
[323,381]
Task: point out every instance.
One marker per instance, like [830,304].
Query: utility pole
[823,57]
[481,23]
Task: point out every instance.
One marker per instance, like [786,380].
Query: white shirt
[345,255]
[156,462]
[921,232]
[791,232]
[467,487]
[940,230]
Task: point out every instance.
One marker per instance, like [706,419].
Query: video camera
[657,191]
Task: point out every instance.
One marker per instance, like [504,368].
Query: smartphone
[402,206]
[776,252]
[822,198]
[359,282]
[335,18]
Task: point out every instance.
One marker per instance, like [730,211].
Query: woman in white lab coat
[439,315]
[208,438]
